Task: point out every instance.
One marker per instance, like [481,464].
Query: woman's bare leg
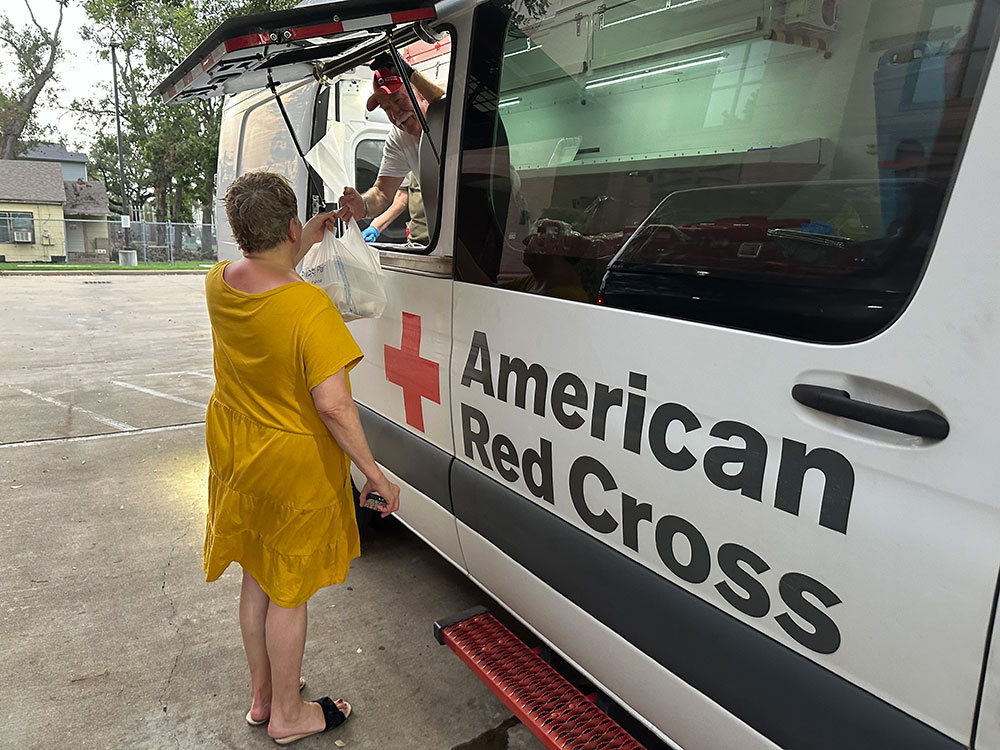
[253,614]
[285,633]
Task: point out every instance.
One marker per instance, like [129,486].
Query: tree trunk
[178,207]
[19,120]
[8,145]
[208,249]
[160,188]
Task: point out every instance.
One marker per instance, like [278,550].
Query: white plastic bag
[325,157]
[348,270]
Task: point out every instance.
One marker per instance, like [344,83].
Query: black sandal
[333,716]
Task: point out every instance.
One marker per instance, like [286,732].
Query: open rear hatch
[294,44]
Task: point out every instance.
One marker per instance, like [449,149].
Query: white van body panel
[975,375]
[937,628]
[421,305]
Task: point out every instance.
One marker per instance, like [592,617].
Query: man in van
[400,153]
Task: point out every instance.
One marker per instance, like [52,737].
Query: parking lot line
[151,392]
[182,372]
[103,435]
[56,402]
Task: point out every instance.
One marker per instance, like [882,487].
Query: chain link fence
[96,240]
[166,242]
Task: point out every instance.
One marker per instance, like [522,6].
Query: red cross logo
[418,377]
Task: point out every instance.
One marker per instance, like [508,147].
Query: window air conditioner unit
[22,237]
[816,16]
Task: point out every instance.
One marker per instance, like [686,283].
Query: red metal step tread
[545,702]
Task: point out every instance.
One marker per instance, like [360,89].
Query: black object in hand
[375,501]
[385,60]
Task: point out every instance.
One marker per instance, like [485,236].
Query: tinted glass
[774,167]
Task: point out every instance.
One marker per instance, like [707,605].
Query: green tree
[170,153]
[35,50]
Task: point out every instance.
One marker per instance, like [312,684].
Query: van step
[545,702]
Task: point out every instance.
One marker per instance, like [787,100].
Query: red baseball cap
[386,82]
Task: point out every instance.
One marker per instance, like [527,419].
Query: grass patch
[186,265]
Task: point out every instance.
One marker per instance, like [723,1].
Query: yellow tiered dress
[279,488]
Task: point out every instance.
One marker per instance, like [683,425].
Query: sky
[79,74]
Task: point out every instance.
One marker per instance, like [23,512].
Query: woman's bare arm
[339,413]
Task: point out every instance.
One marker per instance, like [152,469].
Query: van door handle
[923,423]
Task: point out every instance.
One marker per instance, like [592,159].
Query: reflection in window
[734,92]
[789,184]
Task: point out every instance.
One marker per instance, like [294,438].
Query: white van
[698,373]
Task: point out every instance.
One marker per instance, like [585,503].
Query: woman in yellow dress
[281,431]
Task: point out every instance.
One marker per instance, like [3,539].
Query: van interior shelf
[812,151]
[415,262]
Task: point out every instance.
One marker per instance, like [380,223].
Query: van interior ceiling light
[680,65]
[667,5]
[509,102]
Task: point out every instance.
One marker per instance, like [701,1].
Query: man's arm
[374,201]
[427,88]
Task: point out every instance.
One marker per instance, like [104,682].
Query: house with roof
[86,221]
[73,164]
[32,195]
[49,211]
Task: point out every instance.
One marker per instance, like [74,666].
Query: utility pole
[126,216]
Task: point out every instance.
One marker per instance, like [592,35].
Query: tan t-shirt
[418,219]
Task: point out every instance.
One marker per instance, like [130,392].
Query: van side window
[367,157]
[781,173]
[407,159]
[259,148]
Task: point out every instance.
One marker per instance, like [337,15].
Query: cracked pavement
[111,637]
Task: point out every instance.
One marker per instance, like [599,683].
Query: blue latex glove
[371,233]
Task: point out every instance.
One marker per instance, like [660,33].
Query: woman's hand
[312,230]
[385,488]
[352,205]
